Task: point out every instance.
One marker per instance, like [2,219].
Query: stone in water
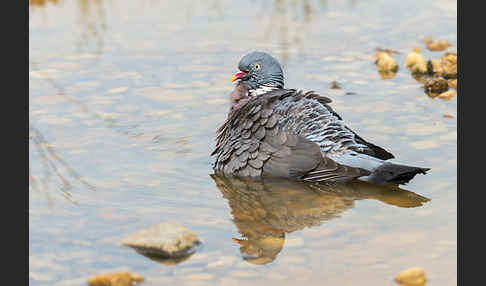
[165,240]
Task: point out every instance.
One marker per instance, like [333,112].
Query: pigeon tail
[394,173]
[381,171]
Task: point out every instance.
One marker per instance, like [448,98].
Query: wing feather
[287,133]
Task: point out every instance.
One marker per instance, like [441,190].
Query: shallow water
[125,98]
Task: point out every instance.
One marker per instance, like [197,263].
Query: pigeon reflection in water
[264,211]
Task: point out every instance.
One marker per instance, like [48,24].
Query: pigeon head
[259,69]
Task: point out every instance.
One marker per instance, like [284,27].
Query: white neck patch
[261,90]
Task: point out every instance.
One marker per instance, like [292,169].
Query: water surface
[125,98]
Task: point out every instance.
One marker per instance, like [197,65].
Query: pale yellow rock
[436,45]
[449,65]
[116,279]
[449,57]
[385,62]
[416,62]
[446,66]
[411,277]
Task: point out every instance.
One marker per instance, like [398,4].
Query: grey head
[260,69]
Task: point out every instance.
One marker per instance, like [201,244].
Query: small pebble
[334,85]
[411,277]
[115,279]
[436,46]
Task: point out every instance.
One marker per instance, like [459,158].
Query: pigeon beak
[237,76]
[241,242]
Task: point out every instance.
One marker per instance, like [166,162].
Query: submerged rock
[436,85]
[411,277]
[115,279]
[416,62]
[169,241]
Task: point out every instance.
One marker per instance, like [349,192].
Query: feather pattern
[287,133]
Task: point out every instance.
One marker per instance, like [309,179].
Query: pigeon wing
[252,144]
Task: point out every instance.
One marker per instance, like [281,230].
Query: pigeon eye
[257,66]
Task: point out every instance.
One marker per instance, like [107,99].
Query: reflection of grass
[288,23]
[92,20]
[52,163]
[288,20]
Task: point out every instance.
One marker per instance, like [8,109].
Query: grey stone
[165,240]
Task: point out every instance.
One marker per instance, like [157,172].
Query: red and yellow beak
[241,242]
[238,75]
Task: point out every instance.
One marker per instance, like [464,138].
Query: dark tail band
[395,173]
